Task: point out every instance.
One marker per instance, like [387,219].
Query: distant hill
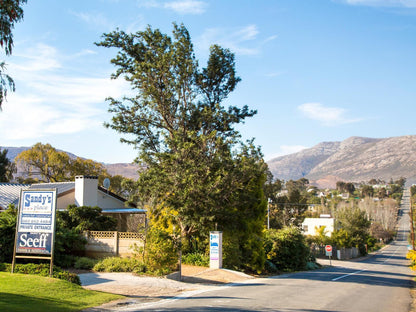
[355,159]
[125,169]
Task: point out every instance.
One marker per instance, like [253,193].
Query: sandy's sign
[36,222]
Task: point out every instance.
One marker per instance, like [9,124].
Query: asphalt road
[377,283]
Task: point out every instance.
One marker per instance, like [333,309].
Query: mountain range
[356,159]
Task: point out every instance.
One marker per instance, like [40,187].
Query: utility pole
[412,223]
[268,213]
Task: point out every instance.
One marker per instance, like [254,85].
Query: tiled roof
[61,187]
[9,193]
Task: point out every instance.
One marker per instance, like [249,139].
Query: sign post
[35,227]
[328,252]
[215,250]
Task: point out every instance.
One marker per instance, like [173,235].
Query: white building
[310,225]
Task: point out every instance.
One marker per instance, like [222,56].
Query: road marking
[346,275]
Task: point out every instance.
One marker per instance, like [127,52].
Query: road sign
[328,250]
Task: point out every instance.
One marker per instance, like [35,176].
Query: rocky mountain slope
[355,159]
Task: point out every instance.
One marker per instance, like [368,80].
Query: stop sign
[328,248]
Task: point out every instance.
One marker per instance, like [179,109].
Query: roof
[61,187]
[123,210]
[10,193]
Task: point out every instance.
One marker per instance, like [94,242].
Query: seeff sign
[36,223]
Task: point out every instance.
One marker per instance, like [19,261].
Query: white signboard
[36,222]
[215,249]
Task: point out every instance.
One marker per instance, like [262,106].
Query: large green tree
[10,12]
[199,174]
[7,168]
[57,166]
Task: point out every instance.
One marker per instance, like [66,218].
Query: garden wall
[112,243]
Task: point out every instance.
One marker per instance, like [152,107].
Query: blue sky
[316,70]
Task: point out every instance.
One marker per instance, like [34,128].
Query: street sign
[215,250]
[328,250]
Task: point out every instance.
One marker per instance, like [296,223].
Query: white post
[215,250]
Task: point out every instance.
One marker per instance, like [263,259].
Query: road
[377,283]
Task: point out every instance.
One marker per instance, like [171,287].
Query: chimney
[86,189]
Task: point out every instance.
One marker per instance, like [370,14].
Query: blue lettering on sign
[37,199]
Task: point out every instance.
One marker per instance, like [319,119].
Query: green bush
[161,254]
[117,264]
[196,258]
[7,233]
[84,263]
[270,267]
[287,249]
[42,270]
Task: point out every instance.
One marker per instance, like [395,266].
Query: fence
[337,253]
[112,243]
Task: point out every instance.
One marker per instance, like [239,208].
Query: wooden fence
[112,243]
[337,253]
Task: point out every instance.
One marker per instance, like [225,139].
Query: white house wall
[309,225]
[105,201]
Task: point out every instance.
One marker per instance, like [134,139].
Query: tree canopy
[199,174]
[56,166]
[7,168]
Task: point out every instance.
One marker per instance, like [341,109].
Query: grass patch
[20,292]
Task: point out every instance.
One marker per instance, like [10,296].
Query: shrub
[196,258]
[412,256]
[84,263]
[270,267]
[42,270]
[161,255]
[117,264]
[7,233]
[287,249]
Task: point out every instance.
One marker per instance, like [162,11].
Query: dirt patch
[195,274]
[146,288]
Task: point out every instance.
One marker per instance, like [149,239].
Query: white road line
[346,275]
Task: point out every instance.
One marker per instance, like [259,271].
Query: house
[309,225]
[84,191]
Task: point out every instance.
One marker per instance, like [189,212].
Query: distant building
[309,225]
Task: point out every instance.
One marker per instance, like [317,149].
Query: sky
[315,70]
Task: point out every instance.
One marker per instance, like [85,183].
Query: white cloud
[187,6]
[39,58]
[95,19]
[329,116]
[194,7]
[286,150]
[235,39]
[49,101]
[383,3]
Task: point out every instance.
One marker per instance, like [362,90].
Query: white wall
[105,201]
[309,224]
[86,191]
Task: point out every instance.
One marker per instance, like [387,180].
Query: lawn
[21,292]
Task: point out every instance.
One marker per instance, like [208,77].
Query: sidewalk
[144,289]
